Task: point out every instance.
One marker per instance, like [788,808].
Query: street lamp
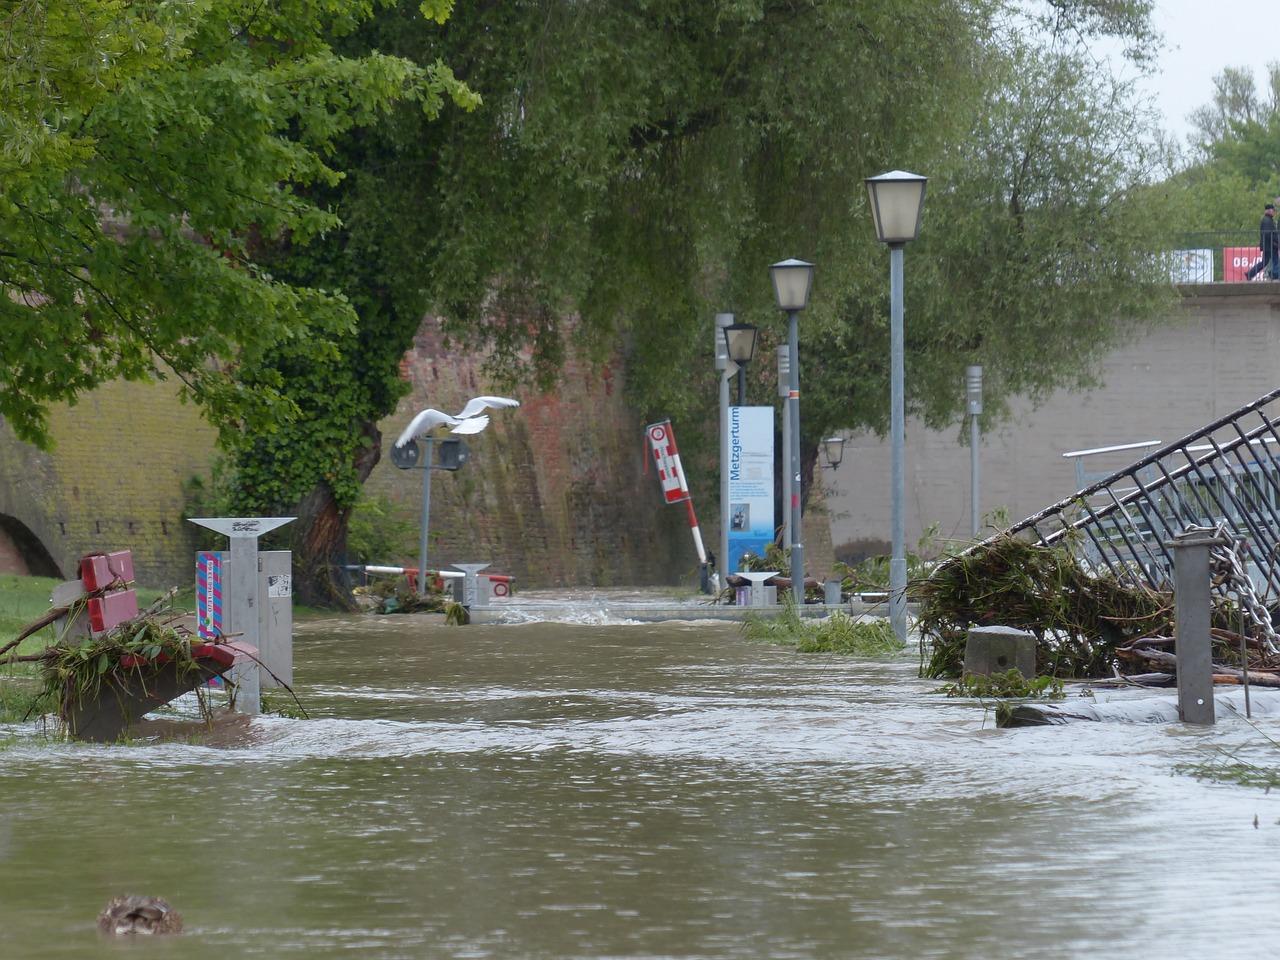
[833,450]
[792,281]
[722,365]
[897,200]
[740,341]
[784,390]
[973,394]
[453,454]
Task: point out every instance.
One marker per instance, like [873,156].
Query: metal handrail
[1227,471]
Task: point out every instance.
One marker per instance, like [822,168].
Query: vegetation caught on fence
[1079,616]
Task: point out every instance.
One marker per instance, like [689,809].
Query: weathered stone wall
[112,481]
[554,491]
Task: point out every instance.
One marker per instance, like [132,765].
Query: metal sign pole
[425,522]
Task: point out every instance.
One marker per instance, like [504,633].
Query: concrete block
[991,650]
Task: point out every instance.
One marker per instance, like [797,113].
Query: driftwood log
[1222,673]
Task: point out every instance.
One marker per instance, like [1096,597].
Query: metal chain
[1226,557]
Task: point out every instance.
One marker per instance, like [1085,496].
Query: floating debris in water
[133,915]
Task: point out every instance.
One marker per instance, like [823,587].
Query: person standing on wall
[1269,244]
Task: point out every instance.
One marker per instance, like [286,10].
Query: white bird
[429,419]
[477,404]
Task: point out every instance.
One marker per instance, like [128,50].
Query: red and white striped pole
[675,488]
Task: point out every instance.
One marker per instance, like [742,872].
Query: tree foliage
[1216,191]
[632,168]
[635,166]
[147,149]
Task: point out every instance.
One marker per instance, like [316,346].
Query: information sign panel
[750,482]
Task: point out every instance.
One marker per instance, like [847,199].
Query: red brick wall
[555,490]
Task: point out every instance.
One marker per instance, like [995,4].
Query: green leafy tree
[148,151]
[635,167]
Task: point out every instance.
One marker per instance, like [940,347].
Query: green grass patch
[20,693]
[838,633]
[22,600]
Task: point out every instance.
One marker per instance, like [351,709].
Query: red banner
[1236,262]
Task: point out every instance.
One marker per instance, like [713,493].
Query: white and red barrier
[675,488]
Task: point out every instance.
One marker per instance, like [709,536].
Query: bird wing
[470,425]
[424,423]
[477,404]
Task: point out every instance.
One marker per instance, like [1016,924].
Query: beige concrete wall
[1220,351]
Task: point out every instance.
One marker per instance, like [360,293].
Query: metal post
[973,394]
[473,594]
[426,518]
[897,435]
[1191,619]
[793,414]
[784,379]
[722,364]
[242,619]
[974,509]
[742,384]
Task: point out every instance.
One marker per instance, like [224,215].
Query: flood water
[661,790]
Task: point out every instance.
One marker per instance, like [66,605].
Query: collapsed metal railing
[1225,473]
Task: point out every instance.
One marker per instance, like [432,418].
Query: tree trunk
[320,536]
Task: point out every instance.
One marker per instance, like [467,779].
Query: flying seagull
[477,404]
[429,419]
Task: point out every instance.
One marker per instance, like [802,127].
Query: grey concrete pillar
[275,617]
[1192,608]
[997,649]
[831,593]
[474,594]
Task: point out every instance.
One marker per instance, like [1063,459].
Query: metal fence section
[1213,256]
[1227,472]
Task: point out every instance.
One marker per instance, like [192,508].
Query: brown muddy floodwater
[662,790]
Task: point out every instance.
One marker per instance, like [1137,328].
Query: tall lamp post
[973,394]
[897,200]
[784,389]
[722,364]
[740,341]
[792,281]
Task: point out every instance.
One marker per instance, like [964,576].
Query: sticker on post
[279,586]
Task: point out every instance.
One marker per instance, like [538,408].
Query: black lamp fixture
[740,341]
[833,450]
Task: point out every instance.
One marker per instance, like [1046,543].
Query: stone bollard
[1191,623]
[831,593]
[989,650]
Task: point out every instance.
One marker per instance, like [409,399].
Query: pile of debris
[1088,623]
